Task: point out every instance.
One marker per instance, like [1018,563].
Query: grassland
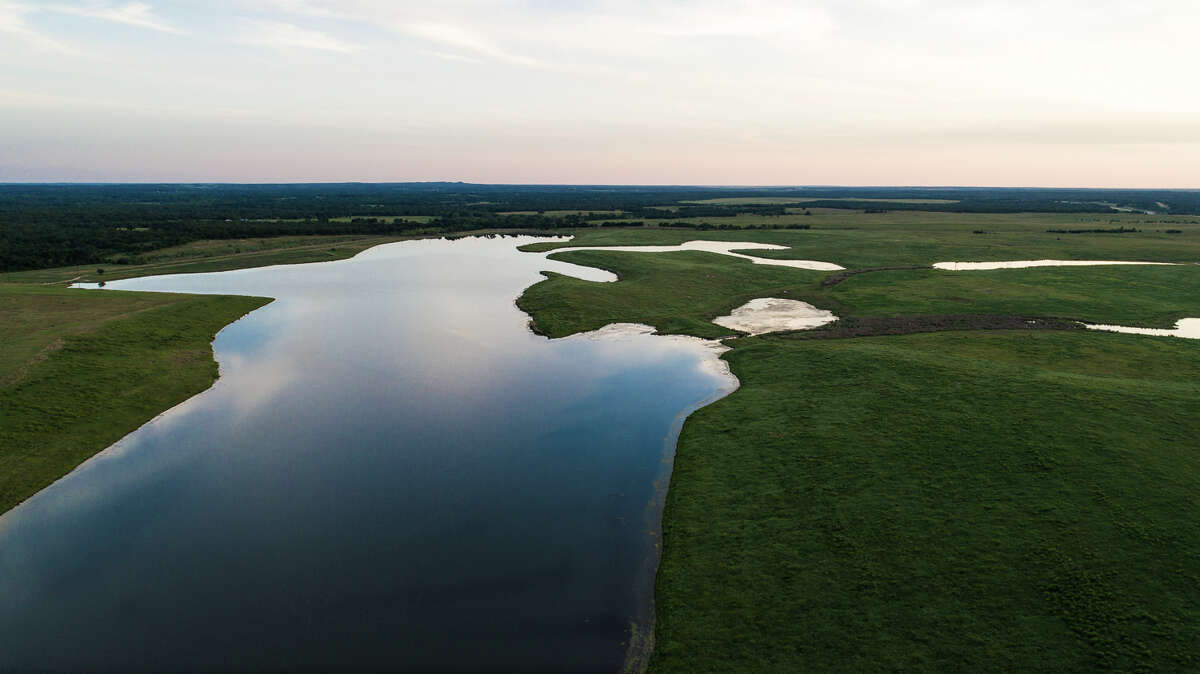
[980,500]
[675,292]
[951,501]
[856,240]
[967,501]
[80,369]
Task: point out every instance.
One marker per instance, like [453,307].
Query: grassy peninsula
[995,500]
[82,368]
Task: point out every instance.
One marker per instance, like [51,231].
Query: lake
[392,473]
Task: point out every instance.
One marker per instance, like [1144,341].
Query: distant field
[1145,296]
[856,240]
[753,201]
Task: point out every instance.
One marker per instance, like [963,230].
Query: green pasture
[980,500]
[955,501]
[81,368]
[858,240]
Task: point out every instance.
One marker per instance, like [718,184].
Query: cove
[392,473]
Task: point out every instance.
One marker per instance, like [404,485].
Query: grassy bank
[982,500]
[80,369]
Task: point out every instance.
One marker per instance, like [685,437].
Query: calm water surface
[391,473]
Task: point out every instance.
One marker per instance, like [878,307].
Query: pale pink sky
[902,92]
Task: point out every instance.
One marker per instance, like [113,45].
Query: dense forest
[56,225]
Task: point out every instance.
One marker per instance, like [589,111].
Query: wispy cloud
[132,13]
[13,23]
[453,57]
[280,35]
[463,40]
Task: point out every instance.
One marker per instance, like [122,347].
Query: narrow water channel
[392,473]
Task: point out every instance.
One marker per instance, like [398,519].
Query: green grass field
[952,501]
[977,500]
[80,369]
[858,240]
[966,501]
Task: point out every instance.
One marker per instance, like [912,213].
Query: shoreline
[640,641]
[121,431]
[640,644]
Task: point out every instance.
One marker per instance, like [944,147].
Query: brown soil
[834,279]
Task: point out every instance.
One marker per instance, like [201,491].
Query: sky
[1056,93]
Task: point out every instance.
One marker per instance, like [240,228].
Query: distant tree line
[57,225]
[1114,230]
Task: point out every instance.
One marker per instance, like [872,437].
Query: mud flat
[1024,264]
[720,248]
[773,314]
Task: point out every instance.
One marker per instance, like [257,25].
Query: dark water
[392,473]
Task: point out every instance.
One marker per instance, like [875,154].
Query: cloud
[280,35]
[12,22]
[133,13]
[456,37]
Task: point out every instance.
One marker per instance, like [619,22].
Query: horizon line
[87,182]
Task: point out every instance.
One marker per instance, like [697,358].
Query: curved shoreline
[146,414]
[641,638]
[642,625]
[720,248]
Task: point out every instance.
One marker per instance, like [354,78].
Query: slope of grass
[86,368]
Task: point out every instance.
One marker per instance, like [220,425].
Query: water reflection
[392,473]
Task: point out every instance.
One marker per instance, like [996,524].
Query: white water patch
[1022,264]
[712,363]
[720,248]
[773,314]
[1188,328]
